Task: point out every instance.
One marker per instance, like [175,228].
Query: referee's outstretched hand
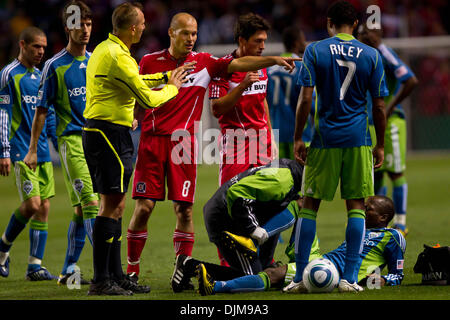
[179,75]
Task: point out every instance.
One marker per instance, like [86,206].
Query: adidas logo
[178,276]
[33,77]
[82,66]
[161,58]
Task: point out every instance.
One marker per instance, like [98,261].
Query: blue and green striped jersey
[282,96]
[382,247]
[397,72]
[342,69]
[18,99]
[63,85]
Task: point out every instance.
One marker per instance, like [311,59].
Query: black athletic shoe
[62,280]
[181,277]
[107,288]
[128,284]
[133,277]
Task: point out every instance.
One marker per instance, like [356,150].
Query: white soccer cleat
[345,286]
[295,287]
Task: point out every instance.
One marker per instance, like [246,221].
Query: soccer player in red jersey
[159,158]
[239,102]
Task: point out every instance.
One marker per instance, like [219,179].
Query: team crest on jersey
[373,235]
[5,99]
[260,73]
[141,187]
[27,187]
[78,185]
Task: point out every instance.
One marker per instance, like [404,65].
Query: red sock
[223,262]
[136,242]
[183,242]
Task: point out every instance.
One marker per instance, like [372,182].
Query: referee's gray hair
[125,15]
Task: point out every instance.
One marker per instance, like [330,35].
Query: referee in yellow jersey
[113,85]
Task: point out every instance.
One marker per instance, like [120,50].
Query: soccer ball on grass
[320,276]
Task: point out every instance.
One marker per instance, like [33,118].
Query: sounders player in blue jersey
[282,95]
[383,247]
[342,70]
[400,81]
[19,90]
[63,85]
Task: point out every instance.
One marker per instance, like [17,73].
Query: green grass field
[428,221]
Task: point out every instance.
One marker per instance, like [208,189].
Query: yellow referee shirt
[113,84]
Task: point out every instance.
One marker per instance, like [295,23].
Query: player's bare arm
[303,110]
[405,90]
[224,104]
[251,63]
[379,120]
[36,129]
[274,151]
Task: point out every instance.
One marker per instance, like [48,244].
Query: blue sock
[382,191]
[89,215]
[280,222]
[400,197]
[88,228]
[38,240]
[380,184]
[354,237]
[75,242]
[304,237]
[251,283]
[15,226]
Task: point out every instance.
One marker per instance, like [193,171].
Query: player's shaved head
[372,37]
[384,206]
[183,34]
[180,20]
[376,29]
[29,34]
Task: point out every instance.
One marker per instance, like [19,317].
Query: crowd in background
[216,18]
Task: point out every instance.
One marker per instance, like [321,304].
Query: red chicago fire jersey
[249,112]
[186,108]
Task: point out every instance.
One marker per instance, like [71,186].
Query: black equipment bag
[434,265]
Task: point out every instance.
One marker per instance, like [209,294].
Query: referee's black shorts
[108,149]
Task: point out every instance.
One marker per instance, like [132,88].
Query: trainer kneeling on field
[251,204]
